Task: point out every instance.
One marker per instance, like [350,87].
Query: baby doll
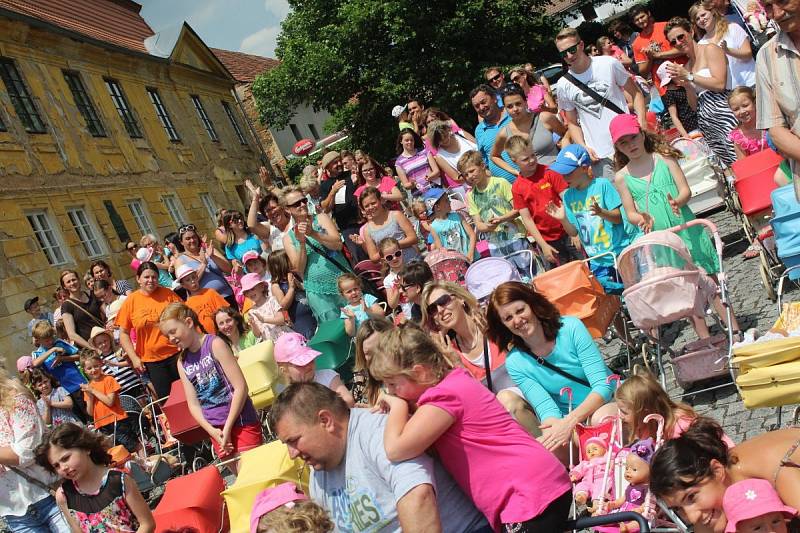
[755,16]
[589,473]
[637,474]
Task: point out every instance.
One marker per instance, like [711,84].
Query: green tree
[359,58]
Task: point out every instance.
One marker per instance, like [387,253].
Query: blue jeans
[43,516]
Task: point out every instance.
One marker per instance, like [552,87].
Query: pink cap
[623,125]
[250,280]
[596,440]
[249,256]
[24,363]
[183,270]
[292,348]
[270,499]
[751,498]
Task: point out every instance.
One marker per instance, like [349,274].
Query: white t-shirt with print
[607,77]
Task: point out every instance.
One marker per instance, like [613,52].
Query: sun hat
[96,332]
[249,281]
[270,499]
[662,73]
[250,255]
[623,125]
[23,363]
[328,158]
[750,498]
[432,196]
[30,302]
[144,254]
[183,270]
[398,110]
[570,158]
[293,348]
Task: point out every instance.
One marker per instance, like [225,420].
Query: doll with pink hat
[284,508]
[753,505]
[588,474]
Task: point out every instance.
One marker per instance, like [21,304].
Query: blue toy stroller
[786,225]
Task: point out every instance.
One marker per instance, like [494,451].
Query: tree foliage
[359,58]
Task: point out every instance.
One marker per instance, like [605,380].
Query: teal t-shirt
[597,234]
[358,310]
[452,234]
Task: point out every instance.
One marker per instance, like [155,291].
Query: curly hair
[512,291]
[303,516]
[10,391]
[71,435]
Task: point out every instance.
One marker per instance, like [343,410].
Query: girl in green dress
[655,194]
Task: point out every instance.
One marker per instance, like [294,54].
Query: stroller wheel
[766,275]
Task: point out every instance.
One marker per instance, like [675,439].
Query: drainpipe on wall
[264,157]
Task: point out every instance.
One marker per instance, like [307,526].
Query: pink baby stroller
[663,285]
[448,265]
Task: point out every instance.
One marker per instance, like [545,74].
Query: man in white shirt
[587,116]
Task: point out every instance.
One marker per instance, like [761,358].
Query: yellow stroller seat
[260,372]
[261,468]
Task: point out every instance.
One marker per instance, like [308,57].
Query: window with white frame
[210,206]
[141,217]
[87,233]
[174,209]
[50,242]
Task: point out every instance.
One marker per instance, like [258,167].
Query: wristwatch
[690,77]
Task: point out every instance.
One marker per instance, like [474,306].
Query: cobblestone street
[753,309]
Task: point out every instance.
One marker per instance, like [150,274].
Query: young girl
[285,509]
[296,362]
[655,194]
[641,395]
[392,257]
[231,327]
[359,306]
[287,289]
[216,391]
[265,316]
[449,230]
[415,165]
[101,395]
[478,442]
[92,496]
[116,363]
[753,506]
[54,403]
[421,223]
[746,139]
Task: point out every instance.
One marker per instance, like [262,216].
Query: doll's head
[637,462]
[753,7]
[595,447]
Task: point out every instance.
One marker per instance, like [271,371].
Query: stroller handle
[710,226]
[609,519]
[781,283]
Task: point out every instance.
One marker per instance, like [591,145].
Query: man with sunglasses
[651,48]
[338,194]
[589,112]
[493,119]
[497,80]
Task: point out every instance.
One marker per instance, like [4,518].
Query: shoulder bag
[611,106]
[545,363]
[86,312]
[368,284]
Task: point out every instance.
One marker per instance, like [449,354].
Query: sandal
[753,251]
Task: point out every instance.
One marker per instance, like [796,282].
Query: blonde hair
[43,329]
[87,354]
[435,131]
[471,307]
[372,386]
[470,158]
[180,311]
[348,277]
[567,33]
[286,191]
[643,394]
[516,145]
[304,516]
[10,390]
[652,143]
[720,22]
[742,90]
[308,183]
[406,346]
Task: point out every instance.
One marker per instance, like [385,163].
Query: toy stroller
[448,265]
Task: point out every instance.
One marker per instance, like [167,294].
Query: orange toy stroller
[193,500]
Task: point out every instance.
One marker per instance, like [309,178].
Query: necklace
[468,349]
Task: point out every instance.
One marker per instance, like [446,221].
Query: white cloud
[278,8]
[263,41]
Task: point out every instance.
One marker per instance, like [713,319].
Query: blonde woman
[714,28]
[25,502]
[456,323]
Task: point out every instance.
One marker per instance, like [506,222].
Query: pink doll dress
[591,477]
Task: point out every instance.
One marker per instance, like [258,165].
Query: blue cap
[570,158]
[432,196]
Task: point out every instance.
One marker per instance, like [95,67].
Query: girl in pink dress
[746,139]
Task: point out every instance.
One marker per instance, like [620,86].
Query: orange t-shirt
[641,43]
[104,415]
[140,312]
[205,303]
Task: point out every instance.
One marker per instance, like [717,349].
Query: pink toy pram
[663,285]
[448,265]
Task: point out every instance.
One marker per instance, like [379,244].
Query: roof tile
[244,67]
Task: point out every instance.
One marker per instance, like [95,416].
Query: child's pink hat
[623,125]
[596,440]
[270,499]
[24,363]
[250,280]
[293,348]
[751,498]
[250,255]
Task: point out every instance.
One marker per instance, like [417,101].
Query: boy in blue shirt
[58,359]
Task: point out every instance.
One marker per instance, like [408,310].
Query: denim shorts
[43,516]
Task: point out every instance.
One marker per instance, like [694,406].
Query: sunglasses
[496,77]
[441,301]
[237,218]
[187,227]
[569,51]
[515,79]
[678,39]
[405,286]
[301,201]
[132,247]
[395,255]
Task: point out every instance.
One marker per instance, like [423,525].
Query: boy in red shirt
[532,191]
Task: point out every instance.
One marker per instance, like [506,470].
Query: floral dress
[106,511]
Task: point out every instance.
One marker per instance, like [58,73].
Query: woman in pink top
[512,479]
[369,175]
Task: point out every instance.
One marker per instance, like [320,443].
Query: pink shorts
[244,438]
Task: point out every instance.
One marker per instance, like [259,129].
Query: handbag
[542,361]
[367,284]
[611,106]
[51,489]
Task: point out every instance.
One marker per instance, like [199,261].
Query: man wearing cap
[338,194]
[33,308]
[352,478]
[493,119]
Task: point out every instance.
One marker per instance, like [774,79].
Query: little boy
[33,308]
[535,188]
[490,203]
[412,279]
[449,230]
[58,359]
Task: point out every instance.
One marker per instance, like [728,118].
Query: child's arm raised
[405,438]
[284,299]
[559,212]
[349,321]
[339,388]
[139,507]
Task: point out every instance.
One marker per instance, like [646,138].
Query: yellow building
[104,137]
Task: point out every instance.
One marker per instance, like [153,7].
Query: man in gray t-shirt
[354,481]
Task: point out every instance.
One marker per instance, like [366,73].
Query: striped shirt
[416,168]
[778,87]
[125,376]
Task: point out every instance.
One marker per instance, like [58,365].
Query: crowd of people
[558,172]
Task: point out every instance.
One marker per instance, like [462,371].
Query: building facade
[102,141]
